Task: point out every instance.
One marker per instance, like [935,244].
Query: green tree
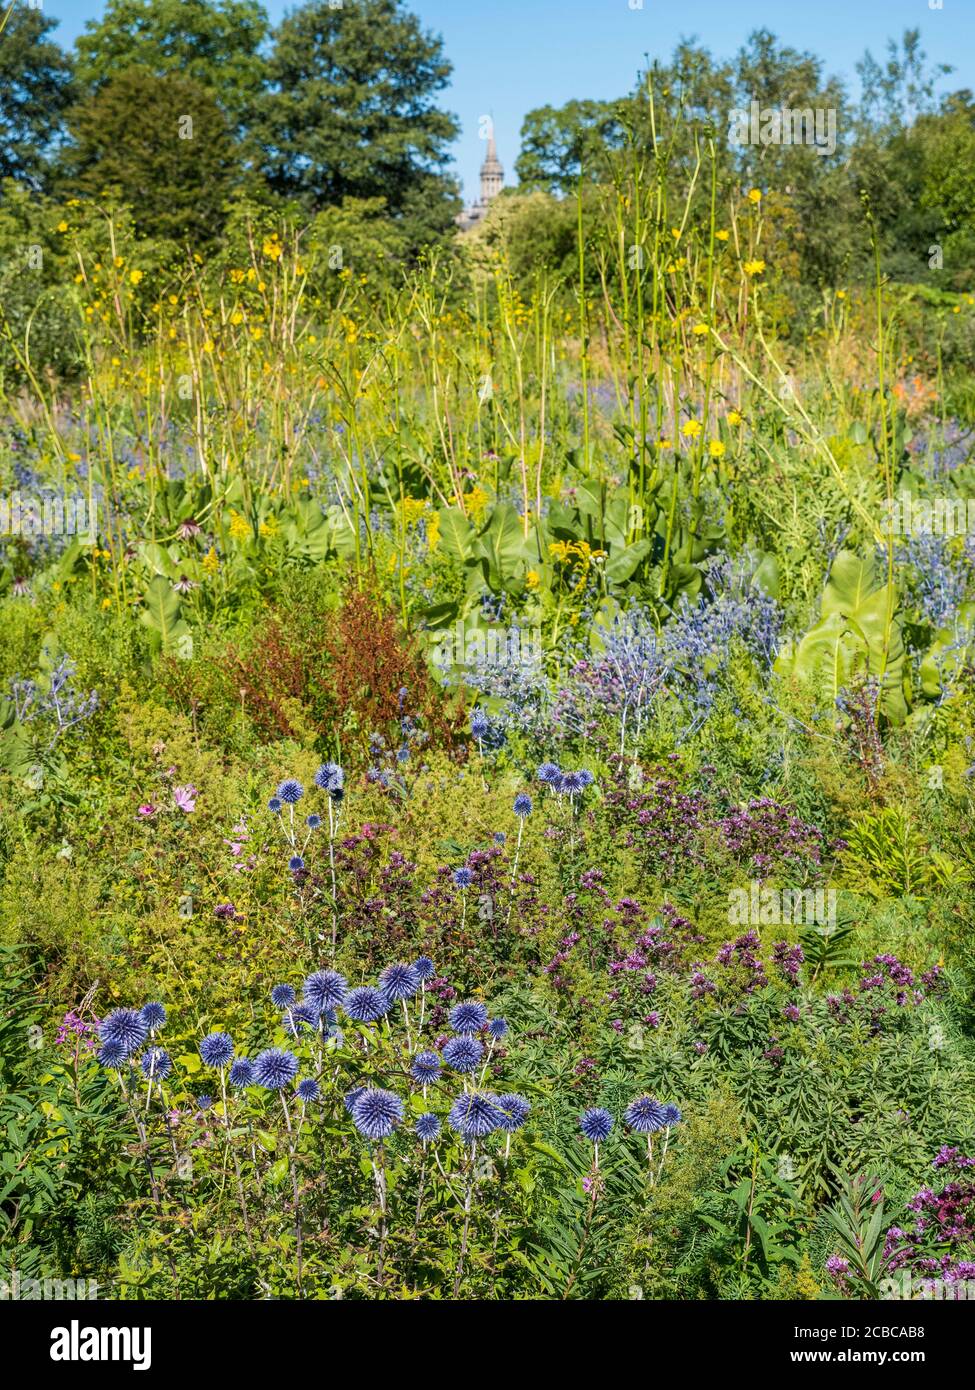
[350,113]
[35,90]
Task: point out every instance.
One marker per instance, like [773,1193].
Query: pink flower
[147,810]
[185,797]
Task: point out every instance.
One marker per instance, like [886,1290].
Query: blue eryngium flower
[296,863]
[112,1055]
[463,877]
[469,1017]
[350,1098]
[290,791]
[549,773]
[308,1090]
[523,804]
[365,1003]
[326,989]
[300,1017]
[596,1124]
[515,1110]
[425,1067]
[274,805]
[427,1127]
[376,1113]
[153,1015]
[313,821]
[399,982]
[330,778]
[274,1068]
[480,725]
[204,1102]
[497,1028]
[156,1064]
[571,782]
[216,1049]
[241,1073]
[463,1054]
[671,1115]
[645,1116]
[282,996]
[424,967]
[475,1114]
[125,1027]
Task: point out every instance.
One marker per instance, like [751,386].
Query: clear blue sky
[511,55]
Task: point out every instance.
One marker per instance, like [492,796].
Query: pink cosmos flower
[185,797]
[147,810]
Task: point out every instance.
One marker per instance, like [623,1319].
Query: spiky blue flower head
[671,1115]
[112,1055]
[204,1102]
[480,724]
[126,1027]
[645,1115]
[596,1124]
[403,754]
[499,837]
[308,1090]
[376,1113]
[549,773]
[156,1064]
[326,989]
[242,1073]
[330,778]
[365,1003]
[427,1128]
[290,791]
[313,821]
[274,805]
[153,1015]
[585,777]
[399,981]
[296,863]
[216,1049]
[350,1097]
[425,1067]
[515,1110]
[463,877]
[282,996]
[469,1017]
[463,1054]
[424,967]
[300,1019]
[475,1114]
[274,1068]
[571,782]
[523,805]
[497,1028]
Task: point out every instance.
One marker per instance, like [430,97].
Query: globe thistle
[274,805]
[645,1116]
[463,877]
[330,778]
[523,804]
[480,725]
[153,1015]
[326,989]
[424,967]
[463,1054]
[241,1073]
[296,863]
[570,783]
[156,1064]
[282,996]
[475,1114]
[290,791]
[112,1055]
[469,1017]
[549,773]
[301,1017]
[365,1004]
[515,1110]
[350,1097]
[313,821]
[596,1124]
[585,777]
[376,1113]
[216,1049]
[126,1027]
[425,1068]
[399,982]
[273,1068]
[671,1116]
[204,1102]
[308,1090]
[497,1028]
[427,1128]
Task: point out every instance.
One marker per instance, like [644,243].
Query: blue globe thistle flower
[399,982]
[313,821]
[499,837]
[290,791]
[427,1128]
[376,1113]
[126,1027]
[365,1004]
[463,877]
[217,1049]
[497,1028]
[300,1019]
[308,1090]
[326,989]
[282,996]
[549,773]
[515,1110]
[480,724]
[156,1064]
[570,783]
[330,778]
[425,1067]
[350,1097]
[424,967]
[469,1017]
[112,1055]
[463,1054]
[671,1116]
[204,1102]
[645,1115]
[241,1073]
[153,1015]
[274,805]
[523,805]
[402,755]
[585,777]
[273,1068]
[296,863]
[475,1114]
[596,1124]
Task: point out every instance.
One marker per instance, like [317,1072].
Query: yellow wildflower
[755,196]
[753,267]
[135,276]
[722,235]
[690,429]
[733,417]
[716,449]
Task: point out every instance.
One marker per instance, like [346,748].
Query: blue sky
[512,55]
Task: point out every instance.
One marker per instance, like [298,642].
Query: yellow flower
[722,235]
[106,603]
[208,345]
[532,579]
[665,443]
[753,267]
[716,449]
[700,329]
[210,562]
[62,226]
[675,233]
[119,262]
[433,531]
[733,417]
[691,429]
[477,501]
[236,277]
[272,248]
[257,334]
[239,529]
[236,317]
[755,196]
[135,276]
[841,294]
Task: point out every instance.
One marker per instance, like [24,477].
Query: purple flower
[475,1114]
[469,1017]
[645,1116]
[376,1113]
[596,1124]
[365,1004]
[326,989]
[463,1054]
[399,982]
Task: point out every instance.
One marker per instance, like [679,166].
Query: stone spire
[492,174]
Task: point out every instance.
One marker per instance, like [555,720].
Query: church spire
[492,174]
